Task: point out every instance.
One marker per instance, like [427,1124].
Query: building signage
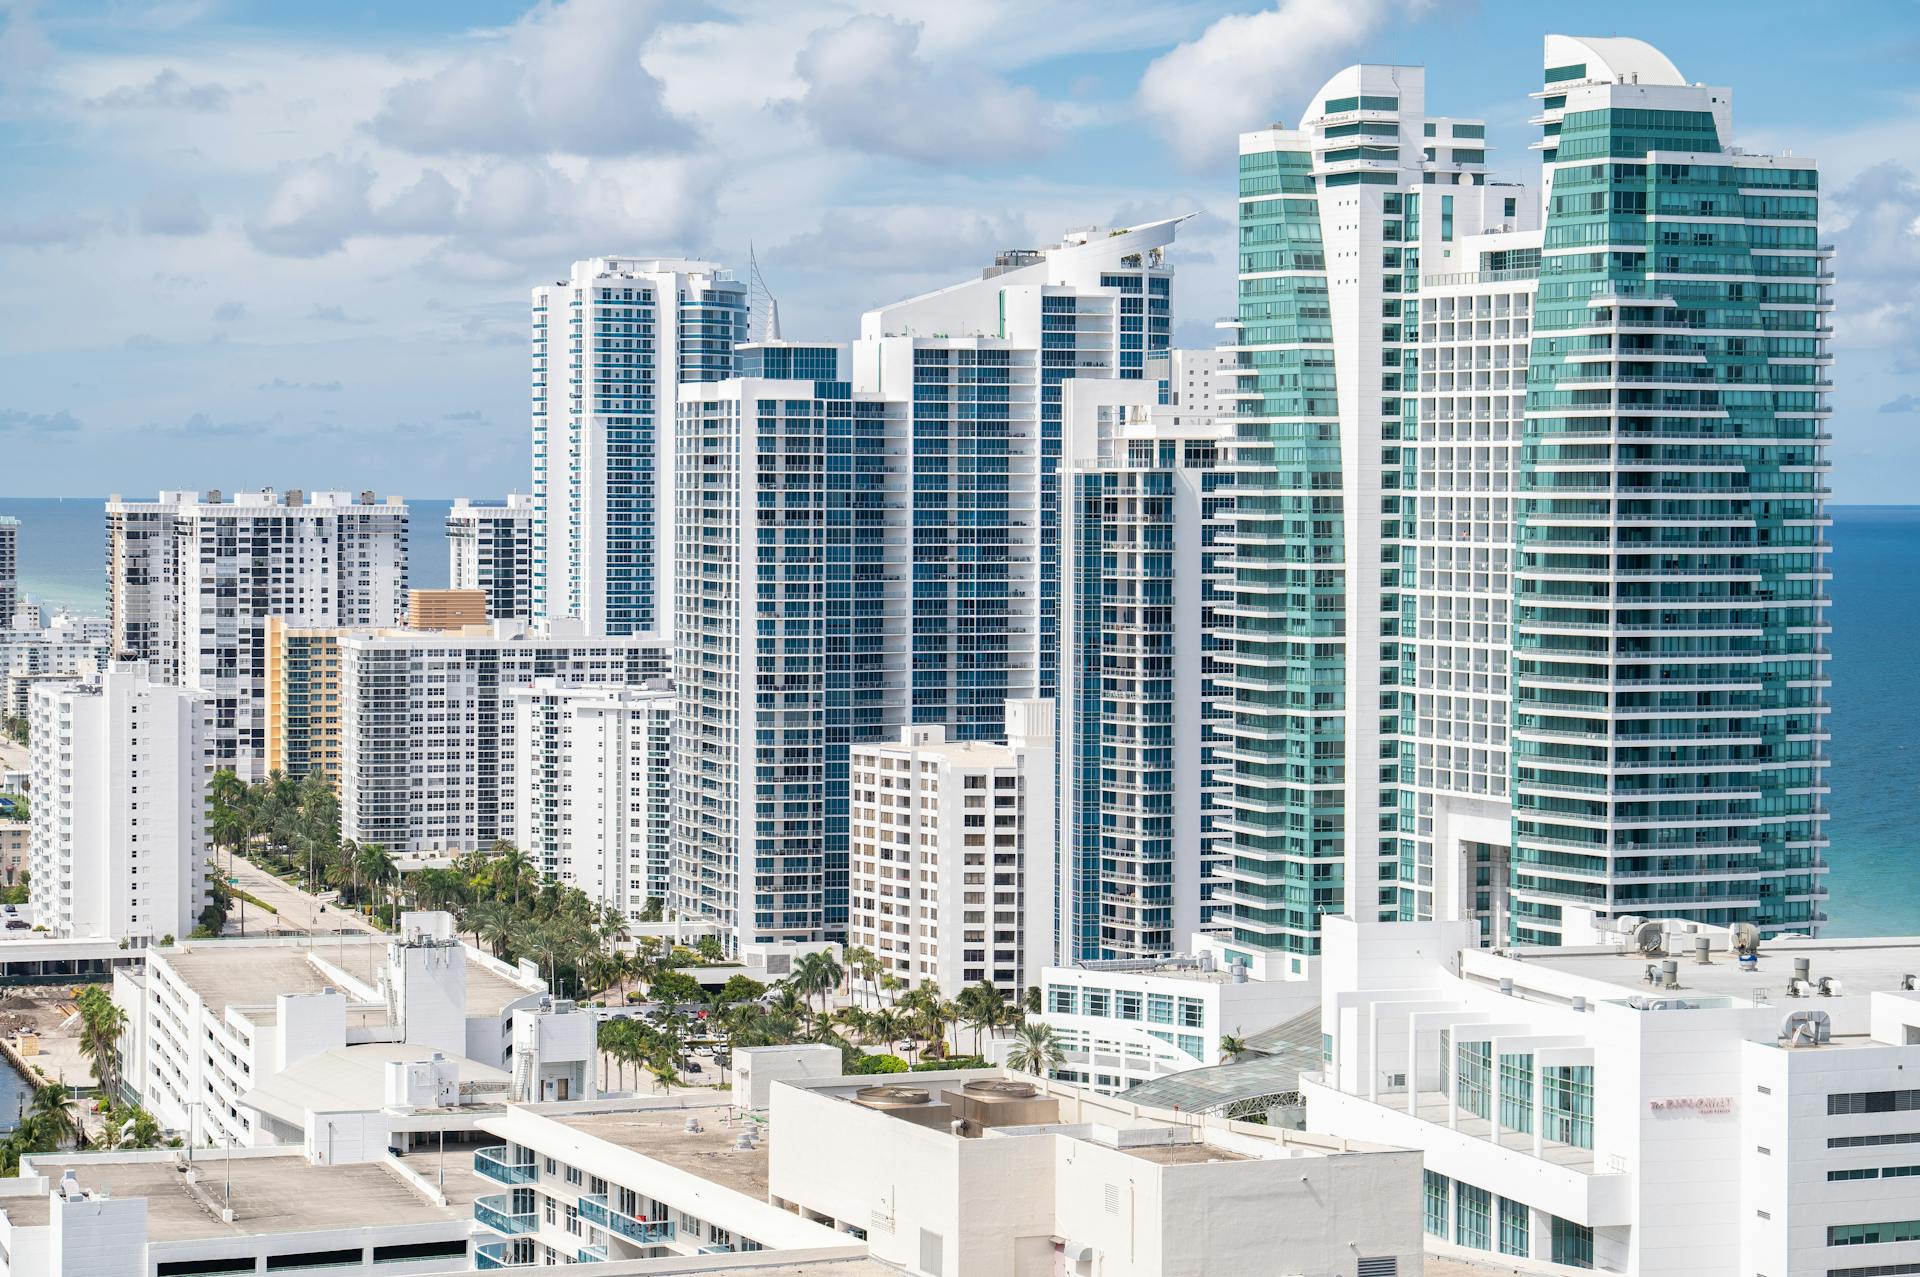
[1693,1104]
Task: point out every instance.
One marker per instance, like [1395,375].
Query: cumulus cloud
[512,207]
[173,211]
[334,315]
[1875,221]
[37,423]
[315,208]
[1902,403]
[168,90]
[1245,68]
[229,312]
[869,87]
[566,78]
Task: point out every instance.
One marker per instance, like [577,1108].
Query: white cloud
[566,78]
[868,87]
[1245,68]
[168,90]
[1875,223]
[173,210]
[315,209]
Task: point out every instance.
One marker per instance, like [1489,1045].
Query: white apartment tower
[1143,561]
[120,766]
[612,344]
[591,769]
[790,642]
[953,854]
[192,580]
[1475,333]
[427,732]
[490,549]
[9,568]
[981,364]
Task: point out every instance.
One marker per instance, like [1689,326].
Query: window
[1473,1217]
[1159,1008]
[1567,1105]
[1095,1001]
[1060,999]
[1193,1013]
[1127,1004]
[1516,1093]
[1872,1102]
[1513,1227]
[1471,1076]
[1898,1230]
[1438,1187]
[1572,1244]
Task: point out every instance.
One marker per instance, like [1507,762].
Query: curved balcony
[489,1255]
[496,1164]
[496,1212]
[595,1210]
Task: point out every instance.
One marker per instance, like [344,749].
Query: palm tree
[1231,1048]
[101,1023]
[819,974]
[374,863]
[495,925]
[1034,1049]
[51,1116]
[889,1026]
[981,1006]
[512,867]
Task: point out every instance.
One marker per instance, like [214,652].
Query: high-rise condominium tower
[9,569]
[192,581]
[612,344]
[790,640]
[1670,513]
[982,363]
[120,766]
[1529,527]
[490,548]
[1142,557]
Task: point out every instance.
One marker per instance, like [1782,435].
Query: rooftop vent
[1001,1089]
[891,1097]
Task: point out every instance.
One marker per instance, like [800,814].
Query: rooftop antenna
[763,309]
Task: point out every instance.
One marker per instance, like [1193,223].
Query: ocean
[1875,775]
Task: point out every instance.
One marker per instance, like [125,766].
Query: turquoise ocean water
[1876,680]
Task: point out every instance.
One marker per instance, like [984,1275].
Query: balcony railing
[591,1255]
[495,1164]
[647,1232]
[497,1213]
[499,1255]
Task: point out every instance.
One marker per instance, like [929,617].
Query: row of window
[1127,1004]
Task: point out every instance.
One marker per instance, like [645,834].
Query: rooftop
[270,1194]
[1873,964]
[661,1134]
[353,1078]
[250,973]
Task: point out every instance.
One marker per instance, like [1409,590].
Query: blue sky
[251,243]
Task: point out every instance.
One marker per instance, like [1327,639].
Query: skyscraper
[982,362]
[192,581]
[790,641]
[490,548]
[1498,656]
[1670,515]
[120,766]
[1143,558]
[9,569]
[591,767]
[612,344]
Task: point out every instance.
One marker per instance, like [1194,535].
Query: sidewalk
[298,911]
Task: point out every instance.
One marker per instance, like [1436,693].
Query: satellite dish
[1650,938]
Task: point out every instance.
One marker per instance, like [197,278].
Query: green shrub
[878,1064]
